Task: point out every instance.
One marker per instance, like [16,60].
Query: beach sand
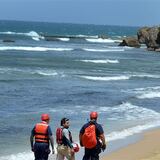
[148,148]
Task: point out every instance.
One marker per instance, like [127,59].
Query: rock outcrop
[131,42]
[149,36]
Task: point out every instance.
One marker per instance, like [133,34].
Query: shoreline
[147,148]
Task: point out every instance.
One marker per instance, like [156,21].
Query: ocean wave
[128,111]
[46,73]
[84,36]
[100,61]
[100,40]
[67,37]
[113,78]
[43,72]
[126,76]
[18,156]
[40,49]
[124,111]
[149,95]
[103,50]
[146,93]
[146,75]
[131,131]
[25,156]
[64,39]
[34,35]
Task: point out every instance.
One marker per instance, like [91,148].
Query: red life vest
[41,134]
[59,136]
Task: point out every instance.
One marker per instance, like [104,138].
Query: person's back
[42,135]
[92,138]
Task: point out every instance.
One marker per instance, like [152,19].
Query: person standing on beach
[64,141]
[42,135]
[92,137]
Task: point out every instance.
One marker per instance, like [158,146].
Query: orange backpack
[89,137]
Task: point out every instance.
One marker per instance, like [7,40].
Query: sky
[105,12]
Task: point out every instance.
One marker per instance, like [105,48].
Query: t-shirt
[99,129]
[66,133]
[67,138]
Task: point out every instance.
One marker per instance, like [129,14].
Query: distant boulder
[49,38]
[158,37]
[131,42]
[157,50]
[8,40]
[148,36]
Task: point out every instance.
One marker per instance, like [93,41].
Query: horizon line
[76,23]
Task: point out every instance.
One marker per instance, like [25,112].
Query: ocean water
[73,74]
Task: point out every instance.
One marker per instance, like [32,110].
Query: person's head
[93,116]
[45,117]
[65,122]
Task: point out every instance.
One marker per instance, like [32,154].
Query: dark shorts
[92,154]
[41,151]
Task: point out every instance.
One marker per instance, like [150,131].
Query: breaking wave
[42,72]
[131,131]
[148,93]
[115,78]
[34,35]
[104,50]
[100,40]
[100,61]
[120,77]
[41,49]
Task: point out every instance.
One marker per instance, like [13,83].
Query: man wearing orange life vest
[92,138]
[42,135]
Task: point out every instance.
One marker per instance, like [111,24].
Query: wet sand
[148,148]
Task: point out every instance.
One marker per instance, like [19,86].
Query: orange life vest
[41,134]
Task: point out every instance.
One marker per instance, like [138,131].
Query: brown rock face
[131,42]
[149,37]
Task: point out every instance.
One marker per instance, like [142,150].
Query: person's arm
[102,137]
[80,139]
[80,136]
[31,139]
[51,139]
[52,143]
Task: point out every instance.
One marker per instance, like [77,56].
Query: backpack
[89,139]
[59,135]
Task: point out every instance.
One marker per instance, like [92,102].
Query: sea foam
[104,50]
[100,40]
[101,61]
[113,78]
[33,71]
[131,131]
[34,35]
[146,93]
[64,39]
[40,49]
